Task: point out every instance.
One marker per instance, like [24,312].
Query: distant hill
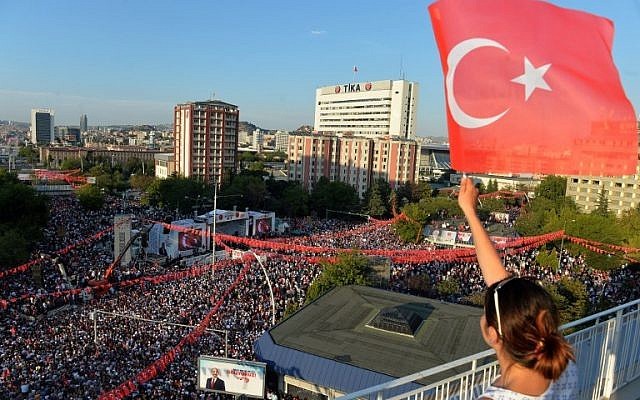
[305,129]
[247,126]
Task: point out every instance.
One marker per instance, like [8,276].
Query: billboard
[189,240]
[263,226]
[231,376]
[183,239]
[121,236]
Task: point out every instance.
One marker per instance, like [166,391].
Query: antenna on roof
[213,96]
[401,69]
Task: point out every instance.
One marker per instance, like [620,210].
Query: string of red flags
[159,365]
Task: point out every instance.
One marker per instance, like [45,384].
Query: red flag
[531,87]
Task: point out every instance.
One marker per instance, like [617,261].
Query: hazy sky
[131,61]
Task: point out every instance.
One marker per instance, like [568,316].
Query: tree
[570,295]
[70,163]
[140,182]
[296,199]
[492,186]
[175,193]
[603,203]
[337,196]
[90,197]
[351,268]
[245,190]
[422,191]
[375,206]
[23,214]
[548,259]
[419,214]
[448,287]
[490,205]
[30,153]
[552,187]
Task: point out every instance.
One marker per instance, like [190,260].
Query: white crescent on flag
[453,59]
[531,79]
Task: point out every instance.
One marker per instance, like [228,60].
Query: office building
[69,135]
[257,140]
[206,140]
[282,141]
[371,109]
[622,192]
[164,165]
[84,123]
[42,124]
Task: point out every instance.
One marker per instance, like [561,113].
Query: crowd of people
[79,347]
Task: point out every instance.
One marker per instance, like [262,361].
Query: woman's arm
[488,258]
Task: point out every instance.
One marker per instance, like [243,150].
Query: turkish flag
[531,87]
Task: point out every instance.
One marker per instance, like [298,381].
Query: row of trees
[256,191]
[23,214]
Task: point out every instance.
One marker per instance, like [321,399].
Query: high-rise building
[372,109]
[42,124]
[363,132]
[206,140]
[258,139]
[282,141]
[84,123]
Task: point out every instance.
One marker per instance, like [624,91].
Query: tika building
[206,140]
[363,131]
[372,109]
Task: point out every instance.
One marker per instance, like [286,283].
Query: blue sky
[130,62]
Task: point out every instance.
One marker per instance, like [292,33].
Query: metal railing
[607,347]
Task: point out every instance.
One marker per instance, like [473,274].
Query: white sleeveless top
[565,388]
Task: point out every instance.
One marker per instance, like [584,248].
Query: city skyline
[128,63]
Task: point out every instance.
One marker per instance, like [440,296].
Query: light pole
[564,227]
[273,301]
[215,217]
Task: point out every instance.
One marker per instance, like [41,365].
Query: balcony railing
[607,347]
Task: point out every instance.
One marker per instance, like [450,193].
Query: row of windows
[369,107]
[352,119]
[354,113]
[355,100]
[356,126]
[597,182]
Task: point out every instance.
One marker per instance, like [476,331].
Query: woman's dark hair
[529,321]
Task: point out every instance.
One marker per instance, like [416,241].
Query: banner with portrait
[231,376]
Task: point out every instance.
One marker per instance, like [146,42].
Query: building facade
[84,123]
[371,109]
[282,141]
[206,140]
[257,140]
[164,165]
[622,193]
[68,135]
[354,160]
[42,124]
[433,161]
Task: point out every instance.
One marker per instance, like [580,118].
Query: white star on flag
[532,78]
